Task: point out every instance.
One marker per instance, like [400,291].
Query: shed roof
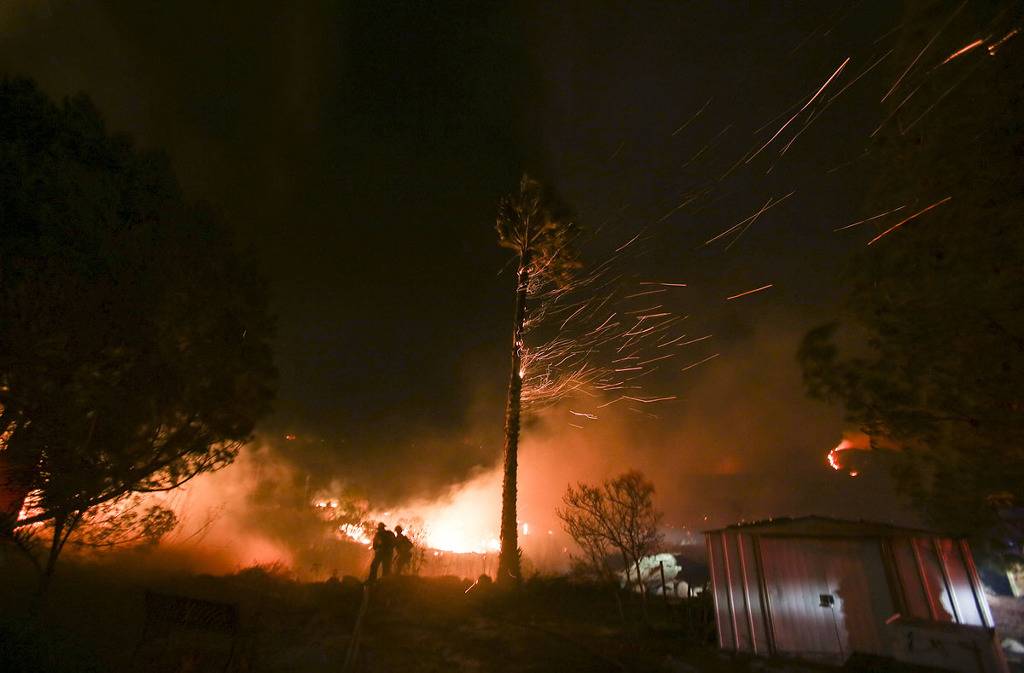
[824,526]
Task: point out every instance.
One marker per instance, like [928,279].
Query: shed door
[828,598]
[863,601]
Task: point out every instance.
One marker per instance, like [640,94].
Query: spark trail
[869,219]
[748,292]
[908,219]
[805,106]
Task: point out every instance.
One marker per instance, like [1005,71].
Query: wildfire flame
[354,532]
[30,507]
[833,455]
[849,443]
[463,522]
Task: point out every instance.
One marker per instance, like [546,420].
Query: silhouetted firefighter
[403,552]
[383,548]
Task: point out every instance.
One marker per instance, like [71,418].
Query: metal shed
[821,589]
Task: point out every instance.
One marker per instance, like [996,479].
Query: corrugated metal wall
[827,597]
[939,582]
[738,591]
[724,608]
[916,601]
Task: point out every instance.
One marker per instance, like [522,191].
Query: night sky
[359,150]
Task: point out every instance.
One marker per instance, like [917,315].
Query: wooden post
[664,596]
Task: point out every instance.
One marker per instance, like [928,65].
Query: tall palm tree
[539,230]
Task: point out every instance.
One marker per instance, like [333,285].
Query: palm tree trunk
[508,558]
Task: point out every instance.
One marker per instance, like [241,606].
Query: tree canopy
[928,359]
[134,338]
[538,227]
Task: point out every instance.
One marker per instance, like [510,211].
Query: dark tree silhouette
[538,229]
[929,357]
[134,339]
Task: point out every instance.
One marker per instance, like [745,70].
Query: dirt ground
[94,619]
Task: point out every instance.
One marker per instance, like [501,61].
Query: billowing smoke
[741,443]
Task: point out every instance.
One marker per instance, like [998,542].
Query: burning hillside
[260,510]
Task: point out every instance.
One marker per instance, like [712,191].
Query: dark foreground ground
[95,619]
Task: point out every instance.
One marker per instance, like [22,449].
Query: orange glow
[463,521]
[214,529]
[224,528]
[727,465]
